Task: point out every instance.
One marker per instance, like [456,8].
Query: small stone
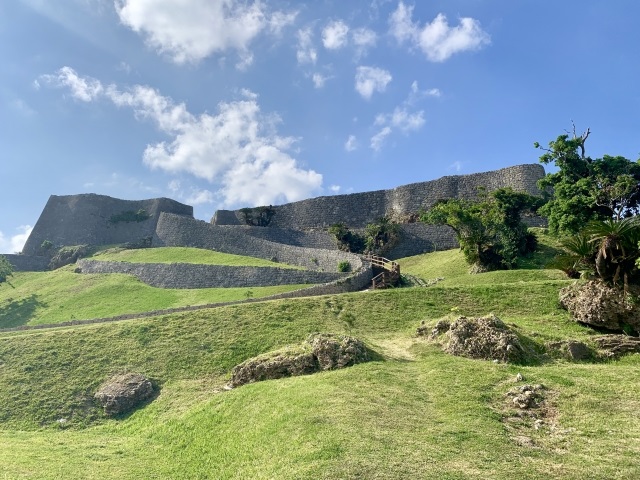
[519,377]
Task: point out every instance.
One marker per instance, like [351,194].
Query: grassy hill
[61,295]
[414,413]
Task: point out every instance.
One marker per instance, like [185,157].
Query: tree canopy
[586,189]
[490,231]
[6,269]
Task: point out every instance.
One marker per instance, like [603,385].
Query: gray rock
[597,304]
[122,393]
[617,345]
[486,338]
[571,350]
[337,351]
[272,366]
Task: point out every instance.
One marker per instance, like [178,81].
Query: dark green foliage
[130,216]
[490,231]
[6,269]
[344,266]
[586,189]
[381,236]
[258,216]
[347,240]
[46,245]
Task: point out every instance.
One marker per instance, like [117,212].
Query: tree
[490,231]
[6,269]
[586,189]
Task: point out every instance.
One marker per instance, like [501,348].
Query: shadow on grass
[15,313]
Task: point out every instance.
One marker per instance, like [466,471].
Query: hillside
[414,412]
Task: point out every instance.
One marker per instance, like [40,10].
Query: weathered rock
[337,351]
[485,338]
[285,363]
[122,393]
[321,351]
[597,304]
[617,345]
[571,350]
[526,396]
[68,255]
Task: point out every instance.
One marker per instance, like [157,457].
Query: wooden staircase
[386,272]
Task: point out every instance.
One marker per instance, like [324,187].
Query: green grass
[416,413]
[184,255]
[61,295]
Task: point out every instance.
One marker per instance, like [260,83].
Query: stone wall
[28,263]
[359,209]
[84,219]
[185,275]
[176,230]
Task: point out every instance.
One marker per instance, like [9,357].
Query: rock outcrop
[321,351]
[599,305]
[486,338]
[122,393]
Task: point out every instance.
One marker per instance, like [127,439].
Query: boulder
[321,351]
[617,345]
[122,393]
[281,364]
[486,338]
[599,305]
[337,351]
[571,350]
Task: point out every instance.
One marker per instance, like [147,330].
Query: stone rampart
[87,219]
[176,230]
[358,209]
[28,263]
[185,275]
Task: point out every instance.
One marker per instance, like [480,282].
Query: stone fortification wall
[185,275]
[27,263]
[417,238]
[175,230]
[85,219]
[288,236]
[359,209]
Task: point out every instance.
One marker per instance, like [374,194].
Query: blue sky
[229,103]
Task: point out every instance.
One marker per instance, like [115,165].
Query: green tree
[6,269]
[586,189]
[490,230]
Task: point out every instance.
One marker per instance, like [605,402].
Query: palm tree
[616,244]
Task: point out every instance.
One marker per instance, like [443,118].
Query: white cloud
[15,243]
[457,166]
[370,80]
[191,31]
[437,40]
[319,80]
[334,35]
[199,197]
[238,148]
[306,52]
[85,89]
[417,94]
[363,39]
[351,144]
[335,188]
[378,139]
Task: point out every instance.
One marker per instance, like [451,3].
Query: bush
[130,216]
[344,266]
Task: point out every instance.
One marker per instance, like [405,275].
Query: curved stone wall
[84,219]
[28,263]
[176,230]
[185,275]
[358,209]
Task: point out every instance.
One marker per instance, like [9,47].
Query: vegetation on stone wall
[490,231]
[258,216]
[6,269]
[379,237]
[129,216]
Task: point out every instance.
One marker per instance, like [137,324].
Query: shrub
[344,266]
[129,216]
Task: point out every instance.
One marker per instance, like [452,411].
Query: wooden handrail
[390,274]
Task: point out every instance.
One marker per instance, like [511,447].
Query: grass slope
[415,413]
[184,255]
